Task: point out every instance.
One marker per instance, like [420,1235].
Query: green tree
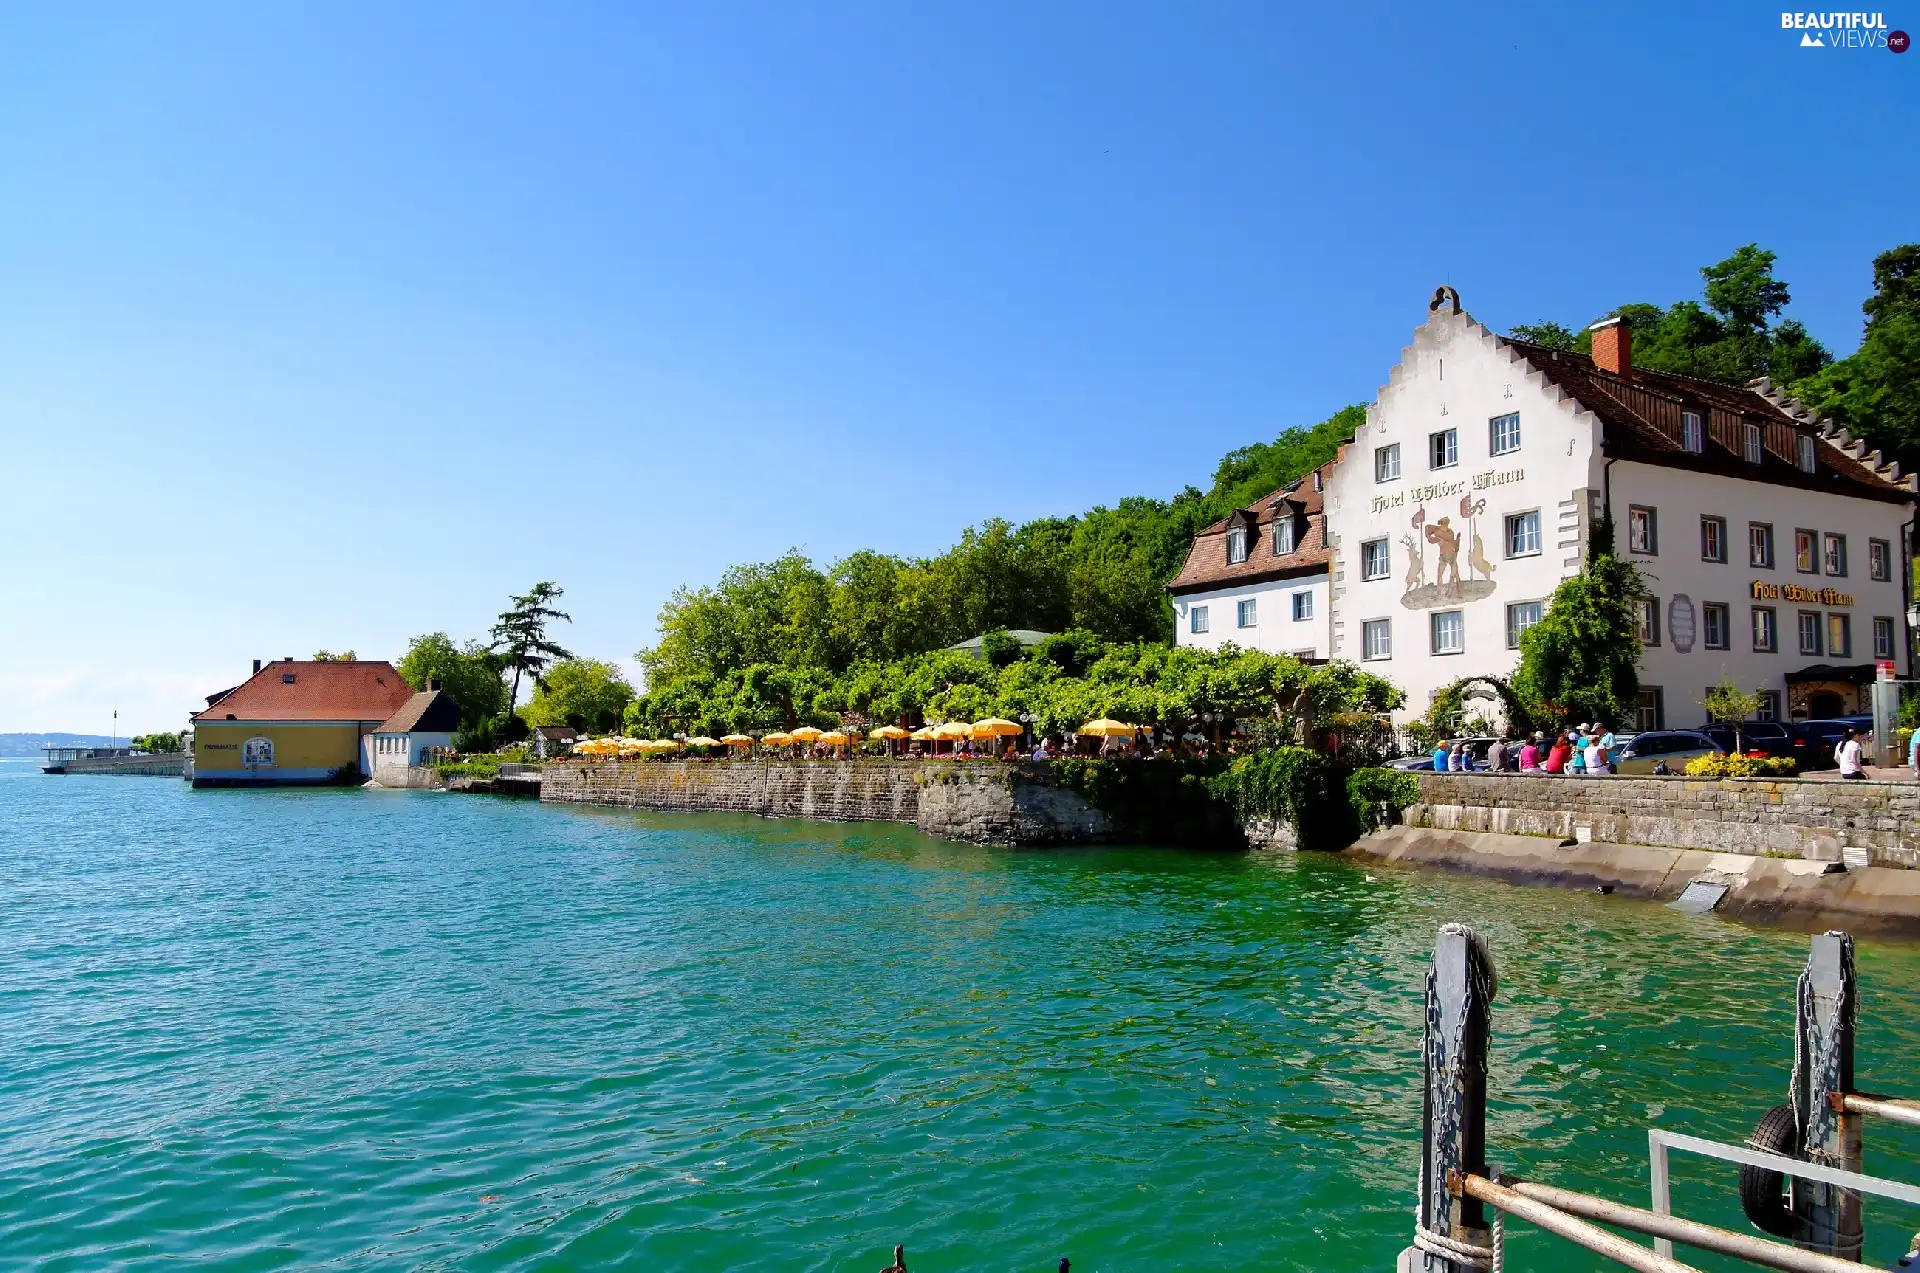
[1581,661]
[584,693]
[1875,393]
[156,744]
[1728,703]
[321,656]
[468,674]
[1732,338]
[520,636]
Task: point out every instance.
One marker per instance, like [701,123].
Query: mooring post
[1823,1072]
[1453,1235]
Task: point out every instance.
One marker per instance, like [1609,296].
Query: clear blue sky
[326,325]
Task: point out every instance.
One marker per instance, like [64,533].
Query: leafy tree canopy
[156,744]
[520,636]
[1581,661]
[469,674]
[1104,571]
[584,693]
[347,656]
[1875,393]
[1735,336]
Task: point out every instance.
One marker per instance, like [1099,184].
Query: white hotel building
[1775,547]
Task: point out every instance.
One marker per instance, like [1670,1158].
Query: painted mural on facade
[1448,585]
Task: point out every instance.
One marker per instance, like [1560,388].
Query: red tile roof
[1641,413]
[366,691]
[1207,566]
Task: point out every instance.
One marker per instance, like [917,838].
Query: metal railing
[1822,1218]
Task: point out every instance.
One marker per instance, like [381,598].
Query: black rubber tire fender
[1763,1191]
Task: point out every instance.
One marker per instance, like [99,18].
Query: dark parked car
[1833,731]
[1639,754]
[1774,738]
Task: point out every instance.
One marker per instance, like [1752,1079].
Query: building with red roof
[295,723]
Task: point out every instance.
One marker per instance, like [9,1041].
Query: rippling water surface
[338,1029]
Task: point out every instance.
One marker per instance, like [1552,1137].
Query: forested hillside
[1103,572]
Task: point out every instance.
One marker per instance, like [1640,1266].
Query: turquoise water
[350,1030]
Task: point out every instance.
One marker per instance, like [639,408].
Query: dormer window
[1236,544]
[286,678]
[1807,461]
[1693,432]
[1283,534]
[1751,450]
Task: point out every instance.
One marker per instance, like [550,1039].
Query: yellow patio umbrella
[952,731]
[664,744]
[804,734]
[924,734]
[736,740]
[833,738]
[888,732]
[776,740]
[1105,728]
[996,727]
[703,741]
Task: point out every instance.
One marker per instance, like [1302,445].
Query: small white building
[1257,578]
[1774,545]
[424,723]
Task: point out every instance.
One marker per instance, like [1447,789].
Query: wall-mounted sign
[1481,481]
[1794,592]
[1680,622]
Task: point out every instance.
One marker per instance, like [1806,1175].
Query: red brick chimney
[1613,346]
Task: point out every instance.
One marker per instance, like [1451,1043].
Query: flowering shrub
[1741,767]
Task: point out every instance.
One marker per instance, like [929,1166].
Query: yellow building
[294,723]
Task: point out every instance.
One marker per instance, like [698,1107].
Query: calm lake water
[340,1029]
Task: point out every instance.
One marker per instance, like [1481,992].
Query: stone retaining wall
[983,803]
[1795,817]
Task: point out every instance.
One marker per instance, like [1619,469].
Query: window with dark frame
[1523,534]
[1806,551]
[1236,544]
[1375,560]
[1808,461]
[1302,605]
[1649,609]
[1197,619]
[1283,534]
[1769,705]
[1766,630]
[1443,449]
[1836,555]
[1810,636]
[1713,539]
[1649,709]
[1839,635]
[1376,639]
[1880,560]
[1754,448]
[1643,530]
[1503,434]
[1248,613]
[1449,632]
[1715,620]
[1882,637]
[1521,615]
[1760,545]
[1386,462]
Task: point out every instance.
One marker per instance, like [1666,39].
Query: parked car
[1639,754]
[1831,732]
[1774,738]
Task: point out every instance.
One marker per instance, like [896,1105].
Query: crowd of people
[1586,750]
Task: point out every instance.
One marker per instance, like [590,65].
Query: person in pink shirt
[1530,756]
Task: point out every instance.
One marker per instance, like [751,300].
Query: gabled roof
[366,691]
[1207,566]
[555,733]
[1641,415]
[428,712]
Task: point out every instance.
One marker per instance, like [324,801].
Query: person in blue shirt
[1440,757]
[1577,762]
